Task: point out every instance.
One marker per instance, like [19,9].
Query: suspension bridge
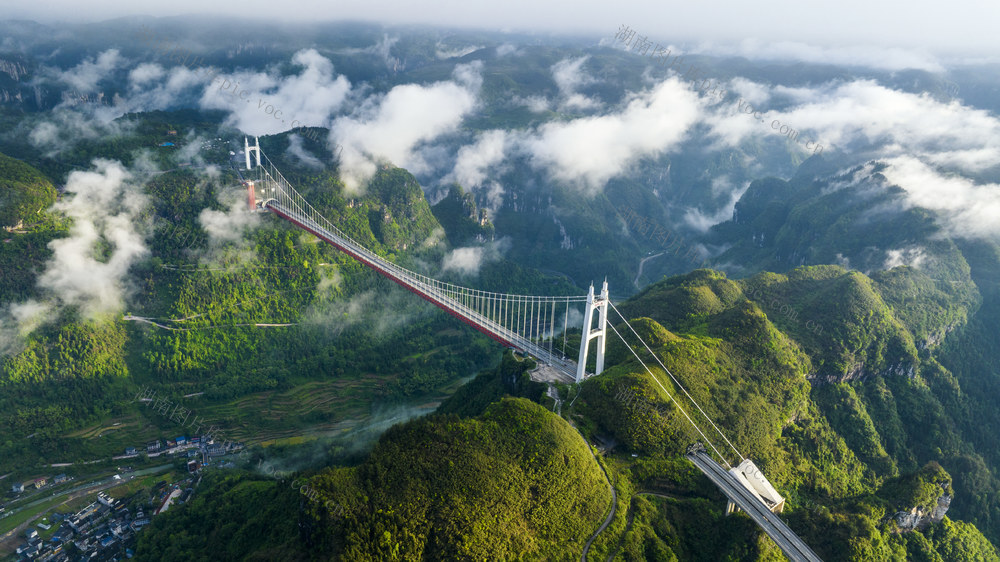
[530,324]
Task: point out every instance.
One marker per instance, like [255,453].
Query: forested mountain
[851,391]
[869,464]
[833,305]
[195,327]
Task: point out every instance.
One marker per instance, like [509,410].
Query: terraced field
[309,411]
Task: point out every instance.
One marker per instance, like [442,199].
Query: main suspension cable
[672,399]
[679,385]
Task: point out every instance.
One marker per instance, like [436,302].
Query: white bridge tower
[247,149]
[589,332]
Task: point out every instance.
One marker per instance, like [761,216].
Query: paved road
[9,540]
[642,264]
[614,505]
[631,519]
[72,493]
[789,543]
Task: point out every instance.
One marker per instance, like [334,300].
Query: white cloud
[470,259]
[63,127]
[843,261]
[968,209]
[18,320]
[474,160]
[30,315]
[85,76]
[105,208]
[702,221]
[591,150]
[507,49]
[464,260]
[382,49]
[443,52]
[266,103]
[392,128]
[469,75]
[45,133]
[912,257]
[152,87]
[297,151]
[569,75]
[751,91]
[494,195]
[864,116]
[869,56]
[866,111]
[536,104]
[229,225]
[145,73]
[433,239]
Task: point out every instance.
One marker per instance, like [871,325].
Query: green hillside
[236,323]
[25,196]
[834,444]
[24,193]
[236,517]
[514,482]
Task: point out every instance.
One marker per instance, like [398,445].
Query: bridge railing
[414,282]
[482,309]
[277,187]
[789,543]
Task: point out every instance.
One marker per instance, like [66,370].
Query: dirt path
[554,394]
[144,320]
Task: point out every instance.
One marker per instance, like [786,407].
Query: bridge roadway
[426,291]
[789,543]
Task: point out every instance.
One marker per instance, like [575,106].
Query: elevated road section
[794,548]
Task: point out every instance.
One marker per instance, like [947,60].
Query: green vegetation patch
[516,482]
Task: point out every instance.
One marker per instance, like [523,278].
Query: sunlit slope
[515,482]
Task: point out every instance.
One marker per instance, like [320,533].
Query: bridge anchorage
[529,324]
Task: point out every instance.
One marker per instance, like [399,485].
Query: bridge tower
[247,149]
[589,332]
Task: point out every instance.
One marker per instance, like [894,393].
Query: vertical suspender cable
[531,318]
[524,319]
[538,322]
[565,328]
[552,329]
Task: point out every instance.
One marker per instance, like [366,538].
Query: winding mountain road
[614,505]
[642,263]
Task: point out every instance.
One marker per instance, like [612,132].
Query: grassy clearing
[27,514]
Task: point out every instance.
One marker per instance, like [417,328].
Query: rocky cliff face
[917,518]
[858,373]
[935,339]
